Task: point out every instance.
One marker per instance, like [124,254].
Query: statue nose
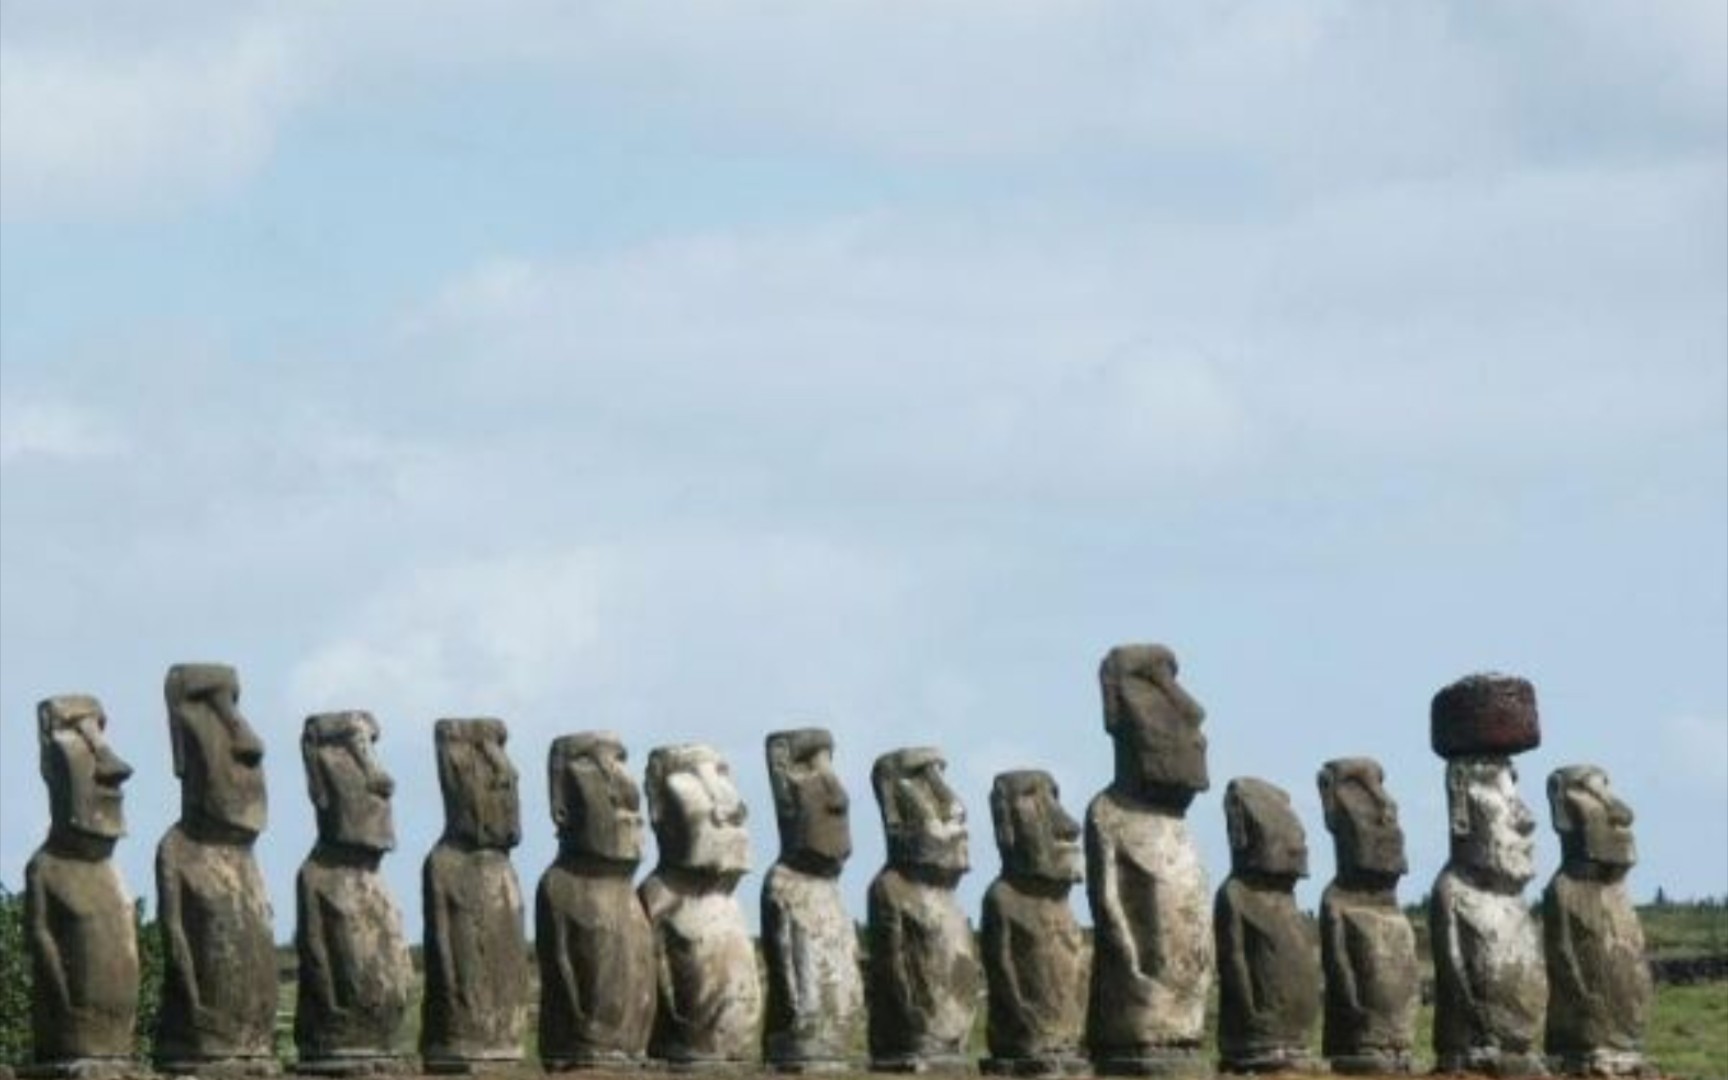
[383,785]
[110,769]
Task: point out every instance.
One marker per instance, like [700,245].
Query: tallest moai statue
[1490,989]
[1153,959]
[219,982]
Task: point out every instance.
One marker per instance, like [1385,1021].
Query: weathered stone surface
[924,973]
[77,913]
[1034,953]
[1600,987]
[815,990]
[596,949]
[475,958]
[218,1012]
[1484,715]
[1368,947]
[1268,962]
[355,972]
[710,1000]
[1152,960]
[1490,990]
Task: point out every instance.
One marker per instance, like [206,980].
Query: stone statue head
[1363,821]
[1036,837]
[923,818]
[350,789]
[595,802]
[217,756]
[697,813]
[83,772]
[1595,827]
[1160,750]
[810,803]
[481,805]
[1492,829]
[1266,837]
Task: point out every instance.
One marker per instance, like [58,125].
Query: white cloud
[55,431]
[110,127]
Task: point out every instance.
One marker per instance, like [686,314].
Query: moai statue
[1268,963]
[1034,954]
[1152,940]
[592,937]
[475,958]
[924,972]
[1367,946]
[1600,982]
[218,1012]
[710,1007]
[77,914]
[355,973]
[815,991]
[1490,990]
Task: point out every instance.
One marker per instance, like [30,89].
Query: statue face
[481,807]
[810,803]
[1492,828]
[925,823]
[83,772]
[1595,827]
[1160,750]
[1266,837]
[349,787]
[595,803]
[1363,819]
[1037,838]
[217,755]
[697,813]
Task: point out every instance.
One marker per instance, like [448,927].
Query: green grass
[1688,1035]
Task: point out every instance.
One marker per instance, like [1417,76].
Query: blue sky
[695,371]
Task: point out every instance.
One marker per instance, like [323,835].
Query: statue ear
[779,762]
[1235,822]
[1328,794]
[315,785]
[557,780]
[1457,802]
[1558,806]
[177,740]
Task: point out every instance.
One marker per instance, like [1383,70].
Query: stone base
[1281,1059]
[475,1066]
[220,1068]
[922,1063]
[1492,1061]
[84,1069]
[599,1062]
[1041,1065]
[811,1066]
[703,1065]
[355,1065]
[1373,1062]
[1178,1061]
[1603,1063]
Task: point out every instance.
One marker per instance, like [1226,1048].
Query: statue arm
[437,908]
[1227,918]
[999,955]
[1557,936]
[311,924]
[552,939]
[51,965]
[1104,892]
[1448,950]
[171,913]
[1341,963]
[785,974]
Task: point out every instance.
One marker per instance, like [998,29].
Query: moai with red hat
[1490,985]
